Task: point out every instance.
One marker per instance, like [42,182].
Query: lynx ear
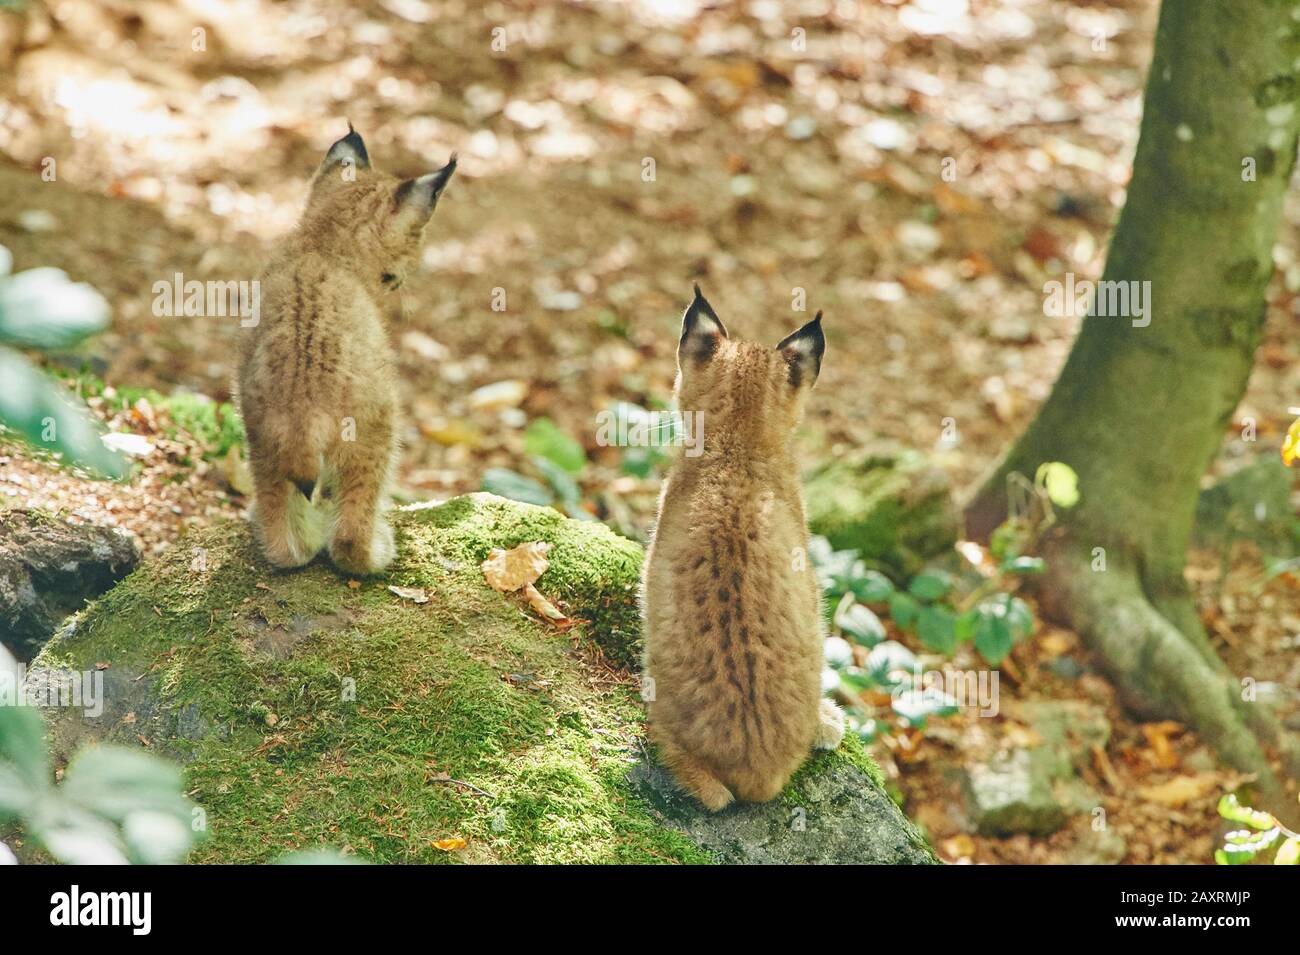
[803,352]
[419,196]
[702,330]
[349,149]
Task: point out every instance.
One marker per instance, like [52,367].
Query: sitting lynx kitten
[732,610]
[317,381]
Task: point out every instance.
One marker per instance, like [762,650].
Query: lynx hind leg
[361,539]
[830,726]
[290,531]
[694,777]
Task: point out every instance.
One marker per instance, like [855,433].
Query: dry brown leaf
[450,845]
[508,570]
[1157,734]
[960,846]
[1180,791]
[541,604]
[414,594]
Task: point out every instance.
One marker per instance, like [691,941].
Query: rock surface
[1035,789]
[1252,503]
[886,502]
[312,711]
[49,569]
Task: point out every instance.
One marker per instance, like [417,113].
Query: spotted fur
[731,607]
[317,377]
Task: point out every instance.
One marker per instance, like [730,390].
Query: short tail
[307,525]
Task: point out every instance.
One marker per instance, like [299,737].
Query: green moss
[338,715]
[889,505]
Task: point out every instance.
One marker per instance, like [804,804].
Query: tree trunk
[1139,411]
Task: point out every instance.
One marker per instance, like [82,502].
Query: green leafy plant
[44,309]
[114,804]
[929,608]
[1263,833]
[558,458]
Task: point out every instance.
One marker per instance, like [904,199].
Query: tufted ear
[349,151]
[803,352]
[702,331]
[418,197]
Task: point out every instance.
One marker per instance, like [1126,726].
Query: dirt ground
[918,168]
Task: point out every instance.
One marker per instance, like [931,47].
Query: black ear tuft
[350,148]
[702,330]
[420,195]
[803,352]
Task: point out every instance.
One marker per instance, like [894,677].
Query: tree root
[1159,671]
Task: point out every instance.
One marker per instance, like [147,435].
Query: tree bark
[1139,412]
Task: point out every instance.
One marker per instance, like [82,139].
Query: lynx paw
[296,540]
[830,726]
[355,555]
[712,794]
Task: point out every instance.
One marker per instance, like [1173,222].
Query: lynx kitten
[317,384]
[733,617]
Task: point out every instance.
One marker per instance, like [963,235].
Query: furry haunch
[731,606]
[317,379]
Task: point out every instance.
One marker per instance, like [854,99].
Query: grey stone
[836,815]
[49,569]
[1012,792]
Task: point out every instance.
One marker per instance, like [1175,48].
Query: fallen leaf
[541,604]
[508,570]
[1157,735]
[960,846]
[450,845]
[1180,791]
[414,594]
[354,585]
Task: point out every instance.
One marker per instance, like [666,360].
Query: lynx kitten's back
[316,383]
[733,624]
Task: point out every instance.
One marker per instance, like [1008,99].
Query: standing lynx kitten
[317,381]
[733,621]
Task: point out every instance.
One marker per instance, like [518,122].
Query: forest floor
[919,168]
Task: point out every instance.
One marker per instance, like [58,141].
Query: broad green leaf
[915,706]
[903,609]
[1023,565]
[937,629]
[930,586]
[858,622]
[24,770]
[43,308]
[157,838]
[872,587]
[544,439]
[113,782]
[1060,482]
[1234,811]
[993,638]
[39,410]
[1019,618]
[515,486]
[888,658]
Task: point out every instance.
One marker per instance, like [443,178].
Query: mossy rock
[887,502]
[1251,503]
[313,711]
